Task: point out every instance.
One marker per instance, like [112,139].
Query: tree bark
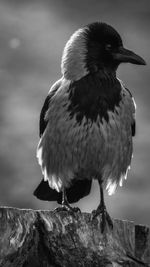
[30,238]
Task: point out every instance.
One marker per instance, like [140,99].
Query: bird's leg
[65,206]
[101,210]
[65,203]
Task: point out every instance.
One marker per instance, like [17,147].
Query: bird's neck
[73,65]
[106,74]
[94,95]
[106,70]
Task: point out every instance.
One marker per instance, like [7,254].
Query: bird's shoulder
[128,97]
[128,100]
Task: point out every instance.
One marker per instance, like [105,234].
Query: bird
[87,121]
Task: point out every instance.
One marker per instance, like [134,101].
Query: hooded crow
[87,121]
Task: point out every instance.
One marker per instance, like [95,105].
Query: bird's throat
[94,95]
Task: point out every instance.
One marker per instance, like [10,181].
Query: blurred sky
[32,36]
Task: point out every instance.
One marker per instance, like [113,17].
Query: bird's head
[95,47]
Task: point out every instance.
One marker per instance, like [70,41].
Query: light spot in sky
[14,43]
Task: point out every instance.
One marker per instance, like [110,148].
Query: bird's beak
[125,55]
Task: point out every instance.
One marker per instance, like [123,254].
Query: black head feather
[105,49]
[102,40]
[103,34]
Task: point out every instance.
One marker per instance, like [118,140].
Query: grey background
[32,37]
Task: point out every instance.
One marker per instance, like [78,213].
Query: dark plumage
[94,96]
[88,120]
[43,121]
[101,38]
[77,190]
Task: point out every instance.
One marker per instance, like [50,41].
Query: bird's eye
[108,47]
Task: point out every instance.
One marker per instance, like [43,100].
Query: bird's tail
[77,190]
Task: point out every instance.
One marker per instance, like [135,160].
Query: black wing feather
[43,121]
[133,127]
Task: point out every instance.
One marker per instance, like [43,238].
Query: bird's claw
[68,208]
[105,217]
[76,209]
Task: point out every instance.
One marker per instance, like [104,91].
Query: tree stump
[30,238]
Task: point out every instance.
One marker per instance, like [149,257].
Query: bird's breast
[93,96]
[78,142]
[88,145]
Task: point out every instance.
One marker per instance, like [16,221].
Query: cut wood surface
[30,238]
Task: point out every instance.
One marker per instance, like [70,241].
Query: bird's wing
[133,125]
[78,188]
[43,121]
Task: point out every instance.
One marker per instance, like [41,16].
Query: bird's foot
[105,217]
[68,208]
